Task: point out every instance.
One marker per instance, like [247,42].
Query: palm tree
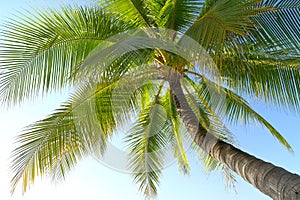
[253,51]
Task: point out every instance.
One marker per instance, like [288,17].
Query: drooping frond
[235,108]
[147,145]
[212,122]
[238,109]
[178,134]
[55,144]
[265,62]
[50,146]
[278,27]
[271,78]
[41,52]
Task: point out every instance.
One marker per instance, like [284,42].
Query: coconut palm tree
[180,75]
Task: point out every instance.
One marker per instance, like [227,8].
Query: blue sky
[92,180]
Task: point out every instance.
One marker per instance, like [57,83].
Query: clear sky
[91,180]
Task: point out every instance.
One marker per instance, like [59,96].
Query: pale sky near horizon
[91,180]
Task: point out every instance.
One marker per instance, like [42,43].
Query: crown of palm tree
[253,46]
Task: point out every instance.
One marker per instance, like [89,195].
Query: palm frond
[175,15]
[55,144]
[50,146]
[279,26]
[147,143]
[235,108]
[204,105]
[177,136]
[41,52]
[207,5]
[273,79]
[133,92]
[257,58]
[212,165]
[133,11]
[283,4]
[239,110]
[220,19]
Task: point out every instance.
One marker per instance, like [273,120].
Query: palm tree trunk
[271,180]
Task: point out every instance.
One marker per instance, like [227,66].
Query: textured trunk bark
[273,181]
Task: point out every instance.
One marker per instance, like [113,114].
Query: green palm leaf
[176,15]
[147,142]
[279,27]
[254,45]
[51,146]
[42,52]
[133,11]
[267,77]
[235,109]
[213,26]
[55,144]
[178,133]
